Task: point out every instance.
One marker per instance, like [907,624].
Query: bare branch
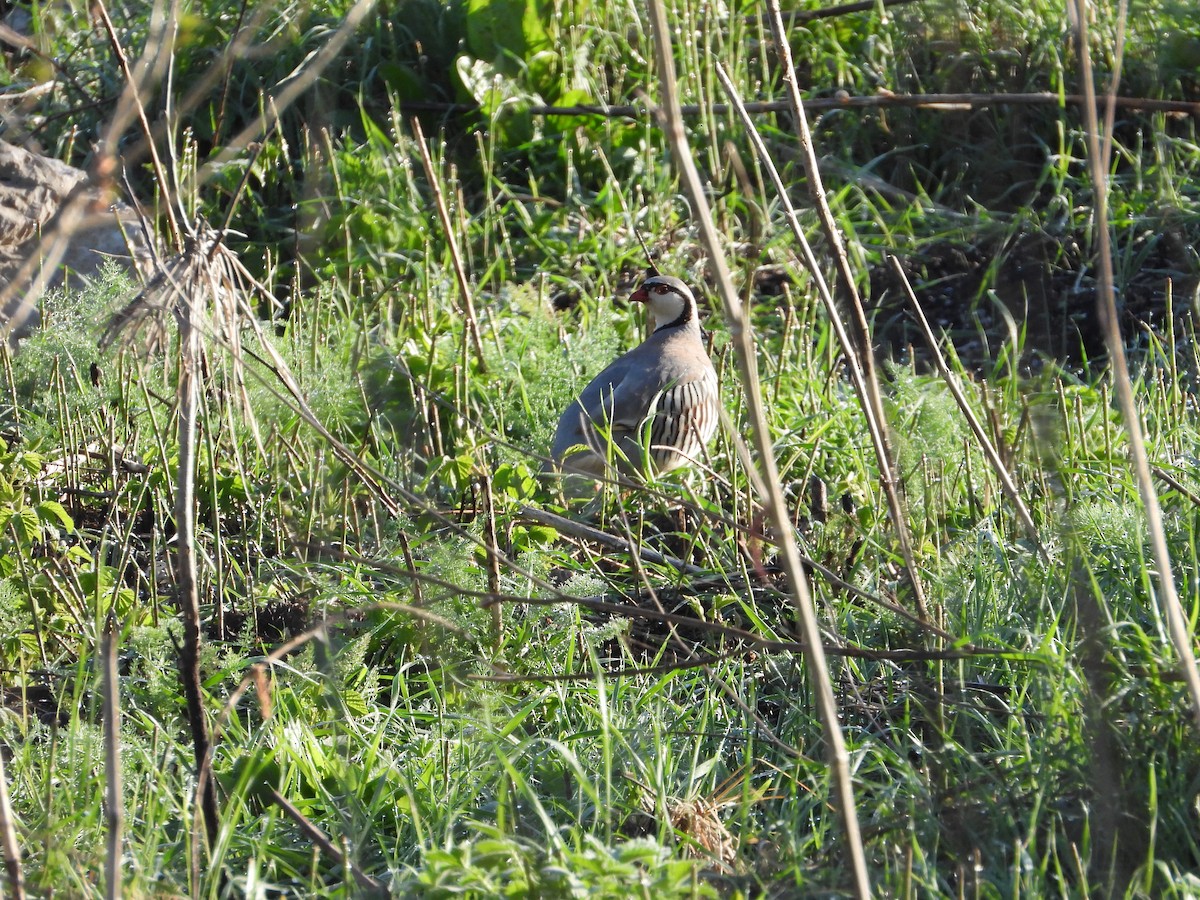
[460,271]
[114,802]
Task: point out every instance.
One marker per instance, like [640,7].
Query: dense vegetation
[471,702]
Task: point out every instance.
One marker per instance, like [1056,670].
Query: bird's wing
[625,396]
[614,397]
[619,398]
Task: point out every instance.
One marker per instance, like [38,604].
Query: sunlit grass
[441,756]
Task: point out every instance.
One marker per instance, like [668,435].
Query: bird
[667,382]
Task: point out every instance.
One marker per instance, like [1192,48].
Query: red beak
[639,296]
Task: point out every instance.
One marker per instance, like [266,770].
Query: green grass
[1055,758]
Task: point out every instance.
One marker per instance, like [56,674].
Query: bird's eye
[660,289]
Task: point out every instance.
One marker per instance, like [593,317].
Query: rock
[33,191]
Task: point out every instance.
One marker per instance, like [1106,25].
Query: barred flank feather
[686,421]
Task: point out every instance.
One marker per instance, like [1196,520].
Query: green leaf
[544,73]
[25,521]
[31,463]
[507,31]
[52,511]
[403,81]
[355,702]
[464,465]
[542,534]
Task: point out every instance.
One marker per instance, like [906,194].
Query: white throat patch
[665,308]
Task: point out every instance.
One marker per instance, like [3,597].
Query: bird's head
[668,299]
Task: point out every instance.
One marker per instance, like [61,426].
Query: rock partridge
[667,383]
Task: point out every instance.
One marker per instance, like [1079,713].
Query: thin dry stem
[492,552]
[1006,480]
[292,88]
[460,271]
[8,838]
[604,539]
[1177,485]
[1177,622]
[873,397]
[747,639]
[114,803]
[188,393]
[830,12]
[160,174]
[857,375]
[739,326]
[948,103]
[75,211]
[365,882]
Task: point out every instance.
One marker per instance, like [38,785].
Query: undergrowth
[463,727]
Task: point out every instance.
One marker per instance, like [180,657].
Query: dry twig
[989,449]
[932,102]
[872,398]
[1177,621]
[8,838]
[743,339]
[460,271]
[371,886]
[114,802]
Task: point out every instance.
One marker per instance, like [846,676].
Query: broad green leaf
[507,31]
[25,520]
[53,511]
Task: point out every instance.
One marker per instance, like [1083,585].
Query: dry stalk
[292,88]
[1177,622]
[135,98]
[741,636]
[460,271]
[74,214]
[1176,485]
[370,886]
[989,449]
[948,103]
[970,101]
[551,595]
[114,804]
[857,375]
[201,291]
[76,211]
[873,398]
[583,532]
[8,838]
[188,399]
[188,287]
[830,12]
[839,760]
[604,539]
[492,541]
